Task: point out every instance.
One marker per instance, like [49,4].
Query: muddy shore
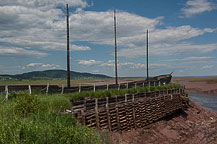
[202,85]
[195,125]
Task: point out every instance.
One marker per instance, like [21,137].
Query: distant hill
[51,74]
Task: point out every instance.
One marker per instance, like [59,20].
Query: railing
[57,89]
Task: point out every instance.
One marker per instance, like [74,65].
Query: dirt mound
[194,125]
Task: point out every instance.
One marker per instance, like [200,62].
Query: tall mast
[68,56]
[116,67]
[147,54]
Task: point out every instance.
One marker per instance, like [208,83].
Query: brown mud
[201,85]
[195,125]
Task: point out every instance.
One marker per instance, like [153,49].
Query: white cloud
[50,66]
[40,66]
[33,64]
[110,63]
[36,24]
[89,62]
[19,52]
[45,4]
[32,25]
[79,48]
[207,67]
[194,7]
[167,49]
[192,59]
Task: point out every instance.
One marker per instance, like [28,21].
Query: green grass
[105,93]
[40,118]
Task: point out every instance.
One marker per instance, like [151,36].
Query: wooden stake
[96,112]
[30,91]
[6,92]
[47,88]
[62,89]
[79,90]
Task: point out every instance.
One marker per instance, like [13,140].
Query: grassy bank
[105,93]
[40,118]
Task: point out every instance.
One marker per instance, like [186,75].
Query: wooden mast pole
[68,55]
[116,67]
[147,54]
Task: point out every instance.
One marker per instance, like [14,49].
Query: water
[205,100]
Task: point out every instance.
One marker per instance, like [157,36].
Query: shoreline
[199,85]
[196,124]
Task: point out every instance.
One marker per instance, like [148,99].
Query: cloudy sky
[183,36]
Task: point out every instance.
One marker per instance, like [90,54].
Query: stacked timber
[123,113]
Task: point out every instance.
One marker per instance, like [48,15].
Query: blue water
[207,101]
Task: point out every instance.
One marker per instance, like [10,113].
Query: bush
[26,104]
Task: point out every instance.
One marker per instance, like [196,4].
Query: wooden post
[117,117]
[159,83]
[116,65]
[143,85]
[127,85]
[125,98]
[134,115]
[147,55]
[47,88]
[30,91]
[118,87]
[135,85]
[108,114]
[6,92]
[154,83]
[68,54]
[94,87]
[62,89]
[79,88]
[107,87]
[96,113]
[149,83]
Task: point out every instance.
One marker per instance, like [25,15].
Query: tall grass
[39,119]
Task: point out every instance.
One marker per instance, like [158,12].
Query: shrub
[26,104]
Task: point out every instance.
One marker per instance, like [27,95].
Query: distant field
[73,82]
[209,80]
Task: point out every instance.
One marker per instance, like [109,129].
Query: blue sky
[182,36]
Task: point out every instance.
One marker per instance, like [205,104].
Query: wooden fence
[121,113]
[49,89]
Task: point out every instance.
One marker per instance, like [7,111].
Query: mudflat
[200,84]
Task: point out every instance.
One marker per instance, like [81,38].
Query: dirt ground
[199,84]
[195,125]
